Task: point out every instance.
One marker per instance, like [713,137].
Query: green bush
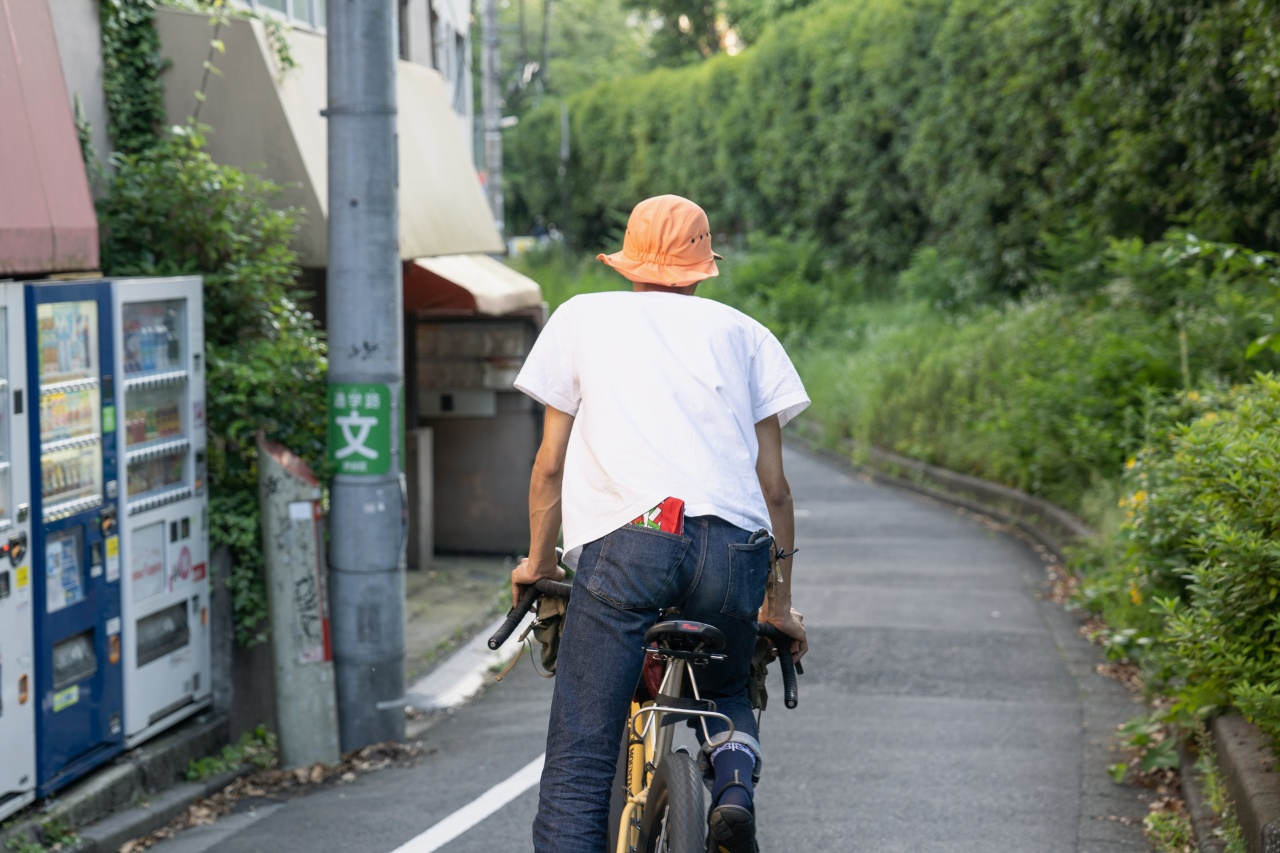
[1199,550]
[170,210]
[992,131]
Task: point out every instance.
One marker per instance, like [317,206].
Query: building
[265,115]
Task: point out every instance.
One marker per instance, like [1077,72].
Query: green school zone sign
[360,428]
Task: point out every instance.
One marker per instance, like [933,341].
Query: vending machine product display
[17,673]
[160,398]
[75,544]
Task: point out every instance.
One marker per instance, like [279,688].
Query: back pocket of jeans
[748,573]
[637,566]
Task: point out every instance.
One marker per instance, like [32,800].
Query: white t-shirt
[665,390]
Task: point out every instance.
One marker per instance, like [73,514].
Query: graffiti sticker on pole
[360,428]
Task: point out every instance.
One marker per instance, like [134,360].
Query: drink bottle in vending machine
[164,526]
[71,420]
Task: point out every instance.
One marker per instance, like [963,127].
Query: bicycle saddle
[685,635]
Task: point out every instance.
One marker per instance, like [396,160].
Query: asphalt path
[946,706]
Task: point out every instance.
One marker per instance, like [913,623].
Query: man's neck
[643,287]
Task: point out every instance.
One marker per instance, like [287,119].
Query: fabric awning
[269,121]
[47,221]
[467,284]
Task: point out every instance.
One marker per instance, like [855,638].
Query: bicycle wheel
[675,819]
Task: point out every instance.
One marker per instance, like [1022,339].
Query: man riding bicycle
[662,457]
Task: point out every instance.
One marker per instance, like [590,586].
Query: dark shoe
[731,829]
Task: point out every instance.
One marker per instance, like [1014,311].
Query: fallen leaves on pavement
[279,784]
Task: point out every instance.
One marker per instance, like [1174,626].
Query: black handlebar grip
[789,665]
[560,589]
[789,694]
[514,615]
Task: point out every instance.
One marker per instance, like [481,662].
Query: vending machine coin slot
[17,548]
[108,521]
[95,559]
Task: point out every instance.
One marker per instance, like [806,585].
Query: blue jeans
[623,581]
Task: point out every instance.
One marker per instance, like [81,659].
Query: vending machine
[17,673]
[159,346]
[76,549]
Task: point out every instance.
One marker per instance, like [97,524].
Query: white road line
[475,811]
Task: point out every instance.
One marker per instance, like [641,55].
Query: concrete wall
[75,25]
[417,45]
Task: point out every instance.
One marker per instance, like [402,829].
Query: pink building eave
[47,221]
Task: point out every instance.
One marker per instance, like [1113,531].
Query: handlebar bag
[547,628]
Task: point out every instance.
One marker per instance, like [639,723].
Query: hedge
[882,126]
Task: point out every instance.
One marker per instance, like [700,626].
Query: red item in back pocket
[667,516]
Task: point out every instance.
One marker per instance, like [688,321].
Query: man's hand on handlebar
[526,573]
[792,624]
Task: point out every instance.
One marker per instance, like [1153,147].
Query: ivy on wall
[131,66]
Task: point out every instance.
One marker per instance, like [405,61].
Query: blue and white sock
[732,762]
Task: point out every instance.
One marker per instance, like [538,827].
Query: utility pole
[493,116]
[366,374]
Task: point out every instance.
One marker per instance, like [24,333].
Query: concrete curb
[110,833]
[127,794]
[1248,768]
[1244,754]
[1203,819]
[1051,526]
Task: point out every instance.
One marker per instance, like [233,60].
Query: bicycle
[658,792]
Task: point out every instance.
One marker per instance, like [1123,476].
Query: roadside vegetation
[1029,241]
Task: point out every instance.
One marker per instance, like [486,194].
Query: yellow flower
[1140,497]
[1130,462]
[1193,396]
[1135,594]
[1123,502]
[1210,417]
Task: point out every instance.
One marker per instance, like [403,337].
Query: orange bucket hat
[668,241]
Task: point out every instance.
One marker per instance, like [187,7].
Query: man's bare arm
[544,503]
[777,496]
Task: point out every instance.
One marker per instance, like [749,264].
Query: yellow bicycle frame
[648,741]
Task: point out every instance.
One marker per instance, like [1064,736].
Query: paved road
[946,707]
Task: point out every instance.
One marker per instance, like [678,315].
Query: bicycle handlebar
[546,586]
[782,644]
[560,589]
